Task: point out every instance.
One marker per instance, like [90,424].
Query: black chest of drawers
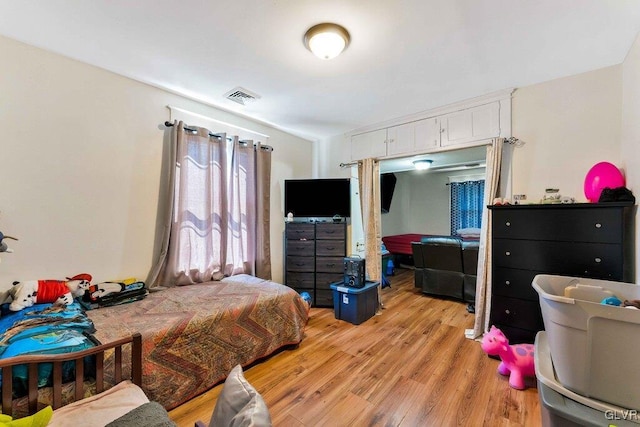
[314,258]
[582,240]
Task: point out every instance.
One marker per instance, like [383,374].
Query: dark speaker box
[354,272]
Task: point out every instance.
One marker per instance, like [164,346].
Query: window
[467,200]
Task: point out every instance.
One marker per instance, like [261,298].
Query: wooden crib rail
[32,362]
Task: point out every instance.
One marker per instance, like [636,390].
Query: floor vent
[241,95]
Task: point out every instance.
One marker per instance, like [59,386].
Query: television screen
[387,185]
[317,197]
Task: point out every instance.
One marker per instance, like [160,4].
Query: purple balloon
[601,175]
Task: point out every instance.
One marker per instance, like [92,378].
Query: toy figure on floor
[517,360]
[62,292]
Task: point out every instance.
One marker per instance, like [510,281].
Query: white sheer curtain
[212,226]
[369,181]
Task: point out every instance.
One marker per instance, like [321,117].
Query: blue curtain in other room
[466,204]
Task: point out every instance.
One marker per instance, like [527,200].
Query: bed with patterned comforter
[192,336]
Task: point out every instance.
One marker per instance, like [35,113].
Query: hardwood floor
[410,365]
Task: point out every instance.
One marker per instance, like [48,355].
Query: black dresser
[593,240]
[314,258]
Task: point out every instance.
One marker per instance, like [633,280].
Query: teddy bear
[62,292]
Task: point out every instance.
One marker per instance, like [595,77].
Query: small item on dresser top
[602,175]
[290,217]
[501,201]
[551,195]
[618,194]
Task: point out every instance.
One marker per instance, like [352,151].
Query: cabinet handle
[598,260]
[507,282]
[598,225]
[507,311]
[507,253]
[508,224]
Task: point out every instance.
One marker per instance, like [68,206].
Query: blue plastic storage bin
[355,305]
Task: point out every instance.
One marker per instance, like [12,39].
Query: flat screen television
[318,198]
[387,185]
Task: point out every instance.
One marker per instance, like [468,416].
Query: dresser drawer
[331,231]
[301,247]
[324,298]
[330,264]
[595,260]
[516,313]
[517,335]
[300,280]
[330,248]
[509,282]
[324,280]
[300,263]
[601,225]
[301,231]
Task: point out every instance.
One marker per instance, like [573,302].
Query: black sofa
[446,266]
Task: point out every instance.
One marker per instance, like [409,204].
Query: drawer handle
[598,225]
[598,260]
[507,282]
[507,311]
[330,248]
[507,253]
[508,224]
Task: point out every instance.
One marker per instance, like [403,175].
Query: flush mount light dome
[422,164]
[326,40]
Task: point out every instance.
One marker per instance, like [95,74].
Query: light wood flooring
[410,365]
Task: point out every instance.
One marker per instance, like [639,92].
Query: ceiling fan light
[326,40]
[422,164]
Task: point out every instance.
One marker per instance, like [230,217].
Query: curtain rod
[214,135]
[211,119]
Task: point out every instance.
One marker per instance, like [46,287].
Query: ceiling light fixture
[326,40]
[422,164]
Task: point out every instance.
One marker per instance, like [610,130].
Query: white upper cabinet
[427,134]
[369,144]
[434,130]
[472,124]
[401,139]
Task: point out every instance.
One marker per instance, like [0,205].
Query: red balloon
[601,175]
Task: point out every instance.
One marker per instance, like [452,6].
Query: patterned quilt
[193,335]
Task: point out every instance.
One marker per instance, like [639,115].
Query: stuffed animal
[517,360]
[62,292]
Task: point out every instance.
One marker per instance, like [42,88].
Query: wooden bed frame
[32,361]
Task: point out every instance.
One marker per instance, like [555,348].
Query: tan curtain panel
[369,180]
[483,284]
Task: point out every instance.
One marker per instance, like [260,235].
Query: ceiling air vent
[241,95]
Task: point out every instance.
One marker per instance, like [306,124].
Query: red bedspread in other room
[401,243]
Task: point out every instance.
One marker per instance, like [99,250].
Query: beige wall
[630,135]
[420,203]
[81,155]
[568,124]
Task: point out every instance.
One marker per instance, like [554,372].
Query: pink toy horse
[517,360]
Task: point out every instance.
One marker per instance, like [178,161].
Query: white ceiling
[405,56]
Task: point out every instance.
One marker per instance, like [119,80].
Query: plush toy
[517,360]
[25,294]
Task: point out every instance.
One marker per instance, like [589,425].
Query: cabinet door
[427,134]
[472,124]
[369,144]
[401,139]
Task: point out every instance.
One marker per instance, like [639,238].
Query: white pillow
[239,404]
